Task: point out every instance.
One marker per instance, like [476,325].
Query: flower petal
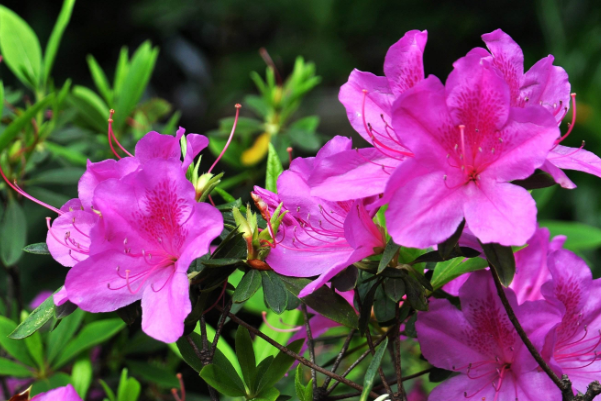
[575,159]
[403,65]
[195,144]
[507,58]
[546,85]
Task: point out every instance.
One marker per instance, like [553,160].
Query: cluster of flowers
[440,154]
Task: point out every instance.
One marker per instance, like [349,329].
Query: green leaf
[502,260]
[34,321]
[158,375]
[394,289]
[274,169]
[37,249]
[13,129]
[55,37]
[451,269]
[389,252]
[62,176]
[248,286]
[15,348]
[415,293]
[81,376]
[91,335]
[324,301]
[12,233]
[91,107]
[20,48]
[370,374]
[298,384]
[135,82]
[1,97]
[262,348]
[536,181]
[107,390]
[384,307]
[36,349]
[279,367]
[220,262]
[13,369]
[70,154]
[435,256]
[447,246]
[268,394]
[129,389]
[246,357]
[121,70]
[222,382]
[58,380]
[366,306]
[580,236]
[274,291]
[102,84]
[60,336]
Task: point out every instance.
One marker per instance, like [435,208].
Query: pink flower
[368,100]
[67,393]
[546,85]
[575,343]
[319,237]
[468,144]
[480,343]
[152,229]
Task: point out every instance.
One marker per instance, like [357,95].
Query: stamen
[289,150]
[229,140]
[572,123]
[17,189]
[114,137]
[291,330]
[182,388]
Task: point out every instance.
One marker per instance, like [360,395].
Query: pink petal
[499,212]
[377,103]
[67,393]
[558,175]
[531,268]
[60,297]
[507,58]
[157,146]
[195,144]
[403,65]
[102,171]
[575,159]
[164,311]
[547,85]
[202,228]
[67,232]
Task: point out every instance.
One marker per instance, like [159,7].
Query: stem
[357,362]
[396,347]
[298,357]
[372,349]
[413,376]
[14,288]
[345,346]
[518,327]
[220,325]
[310,345]
[205,350]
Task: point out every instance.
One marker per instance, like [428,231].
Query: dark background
[208,48]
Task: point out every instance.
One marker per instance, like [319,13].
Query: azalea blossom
[575,343]
[319,237]
[481,344]
[152,230]
[544,84]
[368,101]
[468,144]
[66,393]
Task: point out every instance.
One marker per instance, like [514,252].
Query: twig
[299,358]
[220,325]
[341,354]
[205,351]
[310,345]
[357,362]
[396,347]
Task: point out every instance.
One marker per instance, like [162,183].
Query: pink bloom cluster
[133,232]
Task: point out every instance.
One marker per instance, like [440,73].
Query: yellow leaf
[257,152]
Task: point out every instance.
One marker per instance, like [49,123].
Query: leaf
[221,262]
[274,291]
[248,286]
[135,82]
[55,37]
[12,234]
[394,289]
[346,280]
[15,348]
[1,97]
[451,269]
[91,335]
[102,84]
[35,348]
[366,305]
[324,301]
[107,390]
[57,380]
[447,246]
[246,357]
[64,310]
[121,70]
[37,249]
[502,260]
[129,389]
[415,294]
[91,107]
[262,348]
[536,181]
[268,394]
[34,321]
[274,169]
[7,136]
[13,369]
[370,373]
[434,256]
[388,254]
[384,307]
[298,384]
[70,154]
[222,382]
[580,236]
[280,366]
[20,48]
[161,376]
[81,376]
[62,176]
[60,336]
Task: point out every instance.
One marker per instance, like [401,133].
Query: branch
[341,354]
[298,357]
[520,330]
[205,352]
[372,349]
[220,327]
[396,347]
[413,376]
[310,345]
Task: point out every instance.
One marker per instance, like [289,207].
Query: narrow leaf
[81,376]
[37,249]
[222,382]
[580,236]
[246,357]
[12,233]
[15,348]
[366,305]
[370,374]
[274,291]
[34,321]
[7,136]
[502,260]
[451,269]
[55,37]
[102,84]
[280,366]
[13,369]
[446,247]
[389,252]
[248,286]
[274,169]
